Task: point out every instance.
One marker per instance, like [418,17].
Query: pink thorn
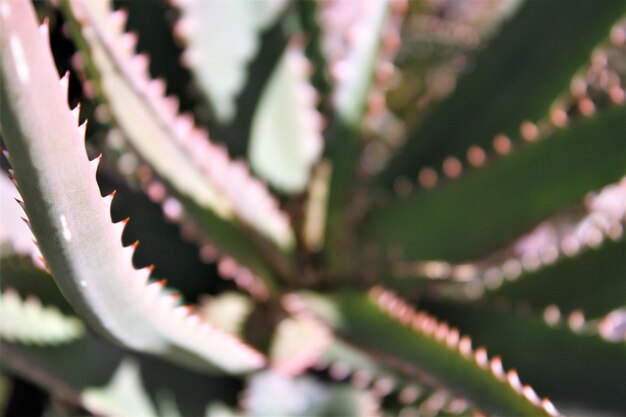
[476,156]
[95,162]
[514,381]
[530,395]
[529,131]
[44,30]
[465,346]
[442,332]
[141,64]
[20,202]
[496,367]
[65,83]
[452,167]
[586,106]
[559,118]
[118,19]
[502,144]
[453,338]
[481,357]
[549,407]
[181,29]
[339,371]
[427,177]
[383,387]
[576,320]
[127,42]
[616,94]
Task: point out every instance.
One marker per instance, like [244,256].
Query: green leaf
[489,207]
[517,78]
[297,344]
[27,321]
[222,197]
[592,281]
[271,394]
[222,39]
[415,344]
[568,366]
[123,396]
[286,139]
[227,311]
[352,64]
[347,401]
[72,221]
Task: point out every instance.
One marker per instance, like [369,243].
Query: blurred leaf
[558,362]
[403,343]
[592,281]
[517,78]
[227,311]
[490,206]
[123,396]
[222,38]
[27,321]
[286,138]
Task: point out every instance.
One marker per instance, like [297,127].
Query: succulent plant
[383,181]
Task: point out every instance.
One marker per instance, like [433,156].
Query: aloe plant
[387,188]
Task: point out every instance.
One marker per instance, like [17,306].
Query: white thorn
[530,395]
[496,368]
[465,346]
[65,83]
[549,407]
[44,31]
[481,357]
[95,163]
[118,19]
[514,381]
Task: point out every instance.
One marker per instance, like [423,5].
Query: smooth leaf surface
[592,281]
[490,206]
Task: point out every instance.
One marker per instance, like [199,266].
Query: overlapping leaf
[72,221]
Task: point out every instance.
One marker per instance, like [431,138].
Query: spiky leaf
[512,82]
[415,344]
[72,221]
[490,206]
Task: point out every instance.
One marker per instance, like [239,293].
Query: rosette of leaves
[387,188]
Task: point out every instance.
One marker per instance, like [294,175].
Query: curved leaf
[286,137]
[72,221]
[568,366]
[123,396]
[592,281]
[415,344]
[517,78]
[222,38]
[29,322]
[220,194]
[490,206]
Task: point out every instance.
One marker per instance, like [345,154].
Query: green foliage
[517,240]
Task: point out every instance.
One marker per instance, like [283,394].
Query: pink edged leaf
[72,221]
